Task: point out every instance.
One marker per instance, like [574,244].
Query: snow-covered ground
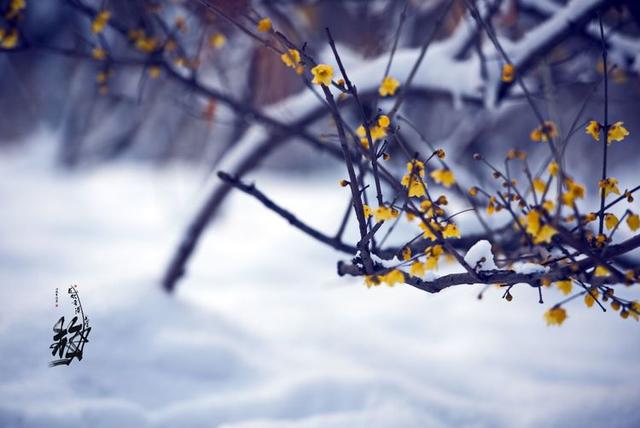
[262,333]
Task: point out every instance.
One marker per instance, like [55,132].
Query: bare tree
[546,234]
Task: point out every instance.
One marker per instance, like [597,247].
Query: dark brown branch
[509,277]
[250,189]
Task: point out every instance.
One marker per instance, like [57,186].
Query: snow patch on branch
[527,268]
[621,45]
[480,256]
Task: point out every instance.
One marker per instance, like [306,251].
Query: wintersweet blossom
[610,220]
[383,213]
[393,277]
[291,58]
[322,74]
[555,316]
[9,40]
[264,25]
[218,40]
[593,129]
[591,297]
[388,86]
[412,180]
[633,221]
[508,73]
[99,54]
[417,269]
[565,286]
[100,21]
[545,131]
[609,185]
[617,132]
[443,176]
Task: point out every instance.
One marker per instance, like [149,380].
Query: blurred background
[98,182]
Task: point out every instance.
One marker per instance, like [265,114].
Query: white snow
[528,268]
[262,333]
[628,46]
[480,256]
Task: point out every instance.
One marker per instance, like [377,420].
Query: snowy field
[262,333]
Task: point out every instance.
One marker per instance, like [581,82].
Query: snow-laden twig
[439,71]
[533,277]
[619,44]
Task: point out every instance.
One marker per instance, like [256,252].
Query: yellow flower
[540,233]
[633,221]
[385,213]
[417,165]
[443,176]
[146,44]
[427,229]
[508,73]
[413,179]
[417,269]
[217,40]
[366,210]
[609,185]
[14,9]
[393,277]
[635,310]
[100,21]
[384,121]
[546,233]
[593,129]
[99,54]
[388,86]
[415,185]
[610,220]
[10,40]
[433,256]
[590,297]
[555,316]
[565,286]
[543,132]
[406,253]
[264,25]
[548,206]
[601,271]
[539,185]
[553,168]
[154,71]
[322,74]
[435,251]
[371,280]
[377,132]
[533,222]
[576,191]
[431,263]
[291,58]
[617,132]
[451,231]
